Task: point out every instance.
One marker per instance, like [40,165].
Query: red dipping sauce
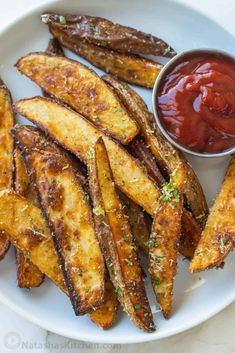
[196,103]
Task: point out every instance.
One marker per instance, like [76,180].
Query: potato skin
[7,121]
[104,33]
[81,88]
[118,243]
[130,68]
[218,237]
[68,215]
[28,275]
[164,241]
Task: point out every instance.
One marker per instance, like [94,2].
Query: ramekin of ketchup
[194,102]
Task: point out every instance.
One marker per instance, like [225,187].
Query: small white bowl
[167,68]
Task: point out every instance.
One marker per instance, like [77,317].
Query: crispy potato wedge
[69,217]
[26,228]
[130,68]
[6,151]
[218,237]
[106,314]
[164,241]
[78,136]
[167,157]
[117,241]
[104,33]
[137,220]
[82,89]
[28,275]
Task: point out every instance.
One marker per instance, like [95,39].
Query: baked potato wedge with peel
[218,237]
[130,68]
[26,228]
[167,157]
[117,241]
[105,33]
[77,135]
[28,275]
[81,88]
[164,241]
[6,151]
[69,217]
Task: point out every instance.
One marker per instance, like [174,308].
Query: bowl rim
[171,63]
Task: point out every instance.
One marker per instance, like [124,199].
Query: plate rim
[157,335]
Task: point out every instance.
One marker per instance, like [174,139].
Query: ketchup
[196,103]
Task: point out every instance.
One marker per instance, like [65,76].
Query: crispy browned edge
[128,67]
[164,243]
[28,275]
[107,131]
[56,153]
[4,243]
[105,33]
[110,227]
[166,156]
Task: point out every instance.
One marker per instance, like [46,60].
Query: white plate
[197,297]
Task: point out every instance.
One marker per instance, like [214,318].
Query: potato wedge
[218,237]
[6,151]
[28,275]
[164,241]
[167,157]
[137,220]
[104,33]
[26,228]
[78,135]
[106,314]
[69,217]
[117,241]
[130,68]
[82,89]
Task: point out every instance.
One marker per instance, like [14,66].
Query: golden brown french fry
[69,217]
[82,89]
[130,68]
[168,158]
[78,136]
[164,241]
[26,228]
[117,241]
[106,314]
[28,275]
[137,220]
[6,151]
[105,33]
[218,236]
